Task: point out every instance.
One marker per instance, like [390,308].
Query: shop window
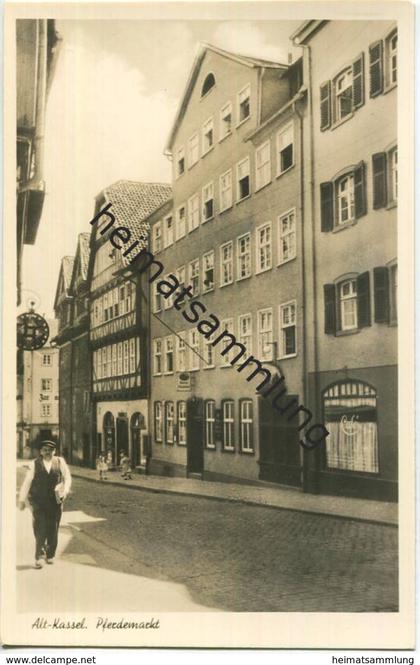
[182,423]
[350,417]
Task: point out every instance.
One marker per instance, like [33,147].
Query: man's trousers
[46,518]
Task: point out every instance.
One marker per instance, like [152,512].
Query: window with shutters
[287,347]
[376,83]
[194,276]
[285,149]
[393,294]
[244,108]
[208,136]
[347,304]
[180,229]
[208,202]
[157,356]
[193,212]
[194,343]
[263,235]
[210,418]
[385,178]
[226,190]
[225,120]
[246,426]
[193,150]
[181,352]
[243,184]
[182,423]
[226,264]
[287,237]
[343,200]
[180,162]
[169,422]
[158,422]
[262,165]
[208,271]
[228,425]
[343,95]
[243,256]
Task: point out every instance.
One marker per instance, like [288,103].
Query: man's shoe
[50,561]
[39,563]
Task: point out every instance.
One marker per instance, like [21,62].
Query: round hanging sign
[32,331]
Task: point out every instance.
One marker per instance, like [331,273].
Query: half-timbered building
[119,324]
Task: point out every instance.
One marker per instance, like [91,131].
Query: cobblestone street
[235,557]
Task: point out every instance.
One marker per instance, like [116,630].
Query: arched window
[351,419]
[209,82]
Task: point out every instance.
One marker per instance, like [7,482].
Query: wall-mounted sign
[32,331]
[184,381]
[43,397]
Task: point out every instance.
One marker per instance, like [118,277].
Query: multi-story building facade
[72,313]
[38,396]
[351,149]
[36,51]
[235,234]
[119,323]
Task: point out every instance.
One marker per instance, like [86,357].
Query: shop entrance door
[195,436]
[122,437]
[279,445]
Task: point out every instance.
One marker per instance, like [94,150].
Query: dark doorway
[279,444]
[195,436]
[86,449]
[122,437]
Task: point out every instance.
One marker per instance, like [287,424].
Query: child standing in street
[125,466]
[102,467]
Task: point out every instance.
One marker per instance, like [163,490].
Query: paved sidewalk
[268,495]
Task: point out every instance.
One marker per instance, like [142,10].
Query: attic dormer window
[208,84]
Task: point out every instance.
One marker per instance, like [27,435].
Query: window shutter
[381,294]
[327,206]
[325,110]
[330,309]
[376,68]
[360,190]
[363,300]
[359,81]
[379,180]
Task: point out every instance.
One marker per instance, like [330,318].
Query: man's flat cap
[49,444]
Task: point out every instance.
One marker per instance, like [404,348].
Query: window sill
[207,151]
[177,177]
[226,136]
[209,367]
[228,450]
[393,324]
[208,219]
[191,166]
[247,452]
[258,189]
[207,291]
[154,374]
[292,258]
[344,333]
[225,209]
[261,272]
[248,196]
[338,123]
[227,284]
[289,168]
[390,87]
[242,122]
[196,369]
[207,447]
[194,229]
[181,443]
[167,373]
[241,279]
[291,355]
[345,225]
[156,441]
[391,205]
[228,366]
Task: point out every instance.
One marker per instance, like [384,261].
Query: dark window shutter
[327,206]
[379,180]
[330,309]
[381,294]
[325,109]
[363,300]
[360,190]
[376,68]
[359,82]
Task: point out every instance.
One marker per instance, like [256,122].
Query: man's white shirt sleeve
[26,485]
[66,475]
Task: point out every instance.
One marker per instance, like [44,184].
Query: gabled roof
[203,47]
[81,260]
[64,277]
[132,204]
[306,31]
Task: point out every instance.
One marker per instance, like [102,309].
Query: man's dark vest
[44,483]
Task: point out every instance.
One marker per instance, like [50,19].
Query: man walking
[46,485]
